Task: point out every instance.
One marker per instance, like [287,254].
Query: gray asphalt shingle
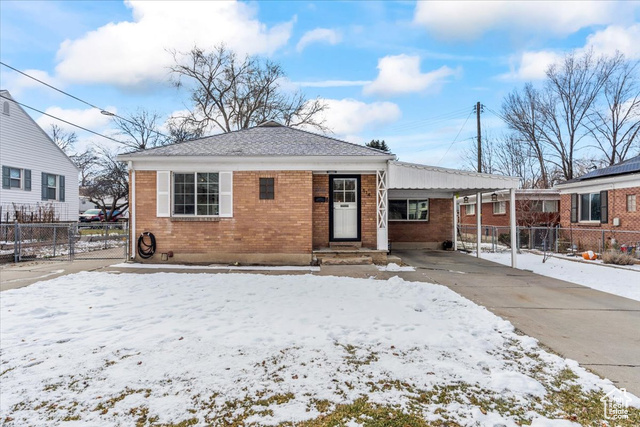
[269,139]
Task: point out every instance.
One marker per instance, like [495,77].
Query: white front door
[345,208]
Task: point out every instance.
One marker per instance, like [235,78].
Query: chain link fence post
[16,241]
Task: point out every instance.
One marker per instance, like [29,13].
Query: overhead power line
[62,120]
[456,138]
[102,110]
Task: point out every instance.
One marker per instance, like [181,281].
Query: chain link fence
[63,241]
[550,239]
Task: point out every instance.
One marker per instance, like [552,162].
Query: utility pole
[478,111]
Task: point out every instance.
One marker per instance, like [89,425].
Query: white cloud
[323,35]
[531,65]
[16,83]
[615,37]
[333,83]
[348,117]
[401,74]
[135,52]
[470,19]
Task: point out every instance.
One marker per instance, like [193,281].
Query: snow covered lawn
[624,282]
[218,349]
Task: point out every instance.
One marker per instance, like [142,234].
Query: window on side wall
[470,209]
[590,207]
[499,208]
[267,188]
[196,194]
[409,210]
[631,202]
[15,178]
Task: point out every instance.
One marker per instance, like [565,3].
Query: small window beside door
[267,188]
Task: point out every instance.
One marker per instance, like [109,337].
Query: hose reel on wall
[146,249]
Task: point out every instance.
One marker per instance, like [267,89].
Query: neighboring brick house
[534,207]
[277,195]
[603,199]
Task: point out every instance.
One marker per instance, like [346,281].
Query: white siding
[24,145]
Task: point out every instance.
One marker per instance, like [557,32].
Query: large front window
[409,210]
[590,207]
[196,194]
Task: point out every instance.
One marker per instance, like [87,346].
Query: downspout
[132,213]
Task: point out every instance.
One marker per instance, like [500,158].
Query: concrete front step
[352,260]
[345,245]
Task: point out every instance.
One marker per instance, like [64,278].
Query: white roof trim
[404,175]
[600,184]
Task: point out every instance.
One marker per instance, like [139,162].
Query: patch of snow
[217,267]
[395,267]
[179,345]
[616,281]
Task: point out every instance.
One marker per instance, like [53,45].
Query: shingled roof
[267,139]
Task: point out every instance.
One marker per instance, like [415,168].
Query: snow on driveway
[102,348]
[624,282]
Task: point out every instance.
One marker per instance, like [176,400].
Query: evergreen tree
[379,145]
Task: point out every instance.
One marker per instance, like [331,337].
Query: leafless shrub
[618,258]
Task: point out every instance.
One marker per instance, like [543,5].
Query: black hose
[146,250]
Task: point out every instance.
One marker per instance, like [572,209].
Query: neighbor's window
[631,202]
[499,207]
[470,209]
[590,207]
[15,178]
[409,210]
[267,191]
[544,206]
[51,187]
[196,193]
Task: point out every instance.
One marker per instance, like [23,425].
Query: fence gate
[63,241]
[101,241]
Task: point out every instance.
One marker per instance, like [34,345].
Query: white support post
[512,225]
[382,214]
[478,223]
[454,238]
[132,213]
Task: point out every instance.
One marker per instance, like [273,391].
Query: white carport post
[478,223]
[454,239]
[382,210]
[512,225]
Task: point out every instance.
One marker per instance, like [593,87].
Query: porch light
[466,199]
[494,197]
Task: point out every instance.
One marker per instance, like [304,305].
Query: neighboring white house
[36,174]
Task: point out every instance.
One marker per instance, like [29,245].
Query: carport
[415,181]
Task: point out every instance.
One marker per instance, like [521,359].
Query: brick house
[277,195]
[604,199]
[534,207]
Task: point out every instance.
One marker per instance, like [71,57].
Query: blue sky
[406,72]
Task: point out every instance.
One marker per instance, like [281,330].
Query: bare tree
[230,94]
[520,110]
[140,130]
[571,91]
[615,126]
[64,140]
[109,189]
[86,163]
[515,158]
[181,129]
[489,149]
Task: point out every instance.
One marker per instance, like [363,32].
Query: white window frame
[55,187]
[408,201]
[500,208]
[470,212]
[632,203]
[195,195]
[591,221]
[21,179]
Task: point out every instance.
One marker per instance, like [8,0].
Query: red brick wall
[524,215]
[282,225]
[617,209]
[438,229]
[368,230]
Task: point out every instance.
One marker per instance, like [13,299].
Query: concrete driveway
[599,330]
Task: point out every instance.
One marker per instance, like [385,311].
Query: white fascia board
[419,194]
[600,184]
[327,164]
[528,194]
